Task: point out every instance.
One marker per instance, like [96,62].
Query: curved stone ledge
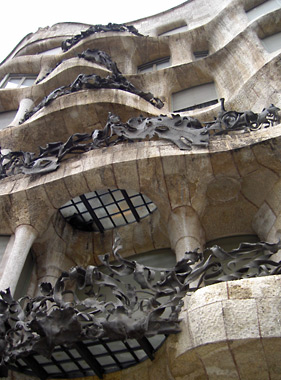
[67,72]
[81,111]
[223,321]
[224,340]
[154,168]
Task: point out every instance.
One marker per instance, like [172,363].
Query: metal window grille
[89,358]
[106,209]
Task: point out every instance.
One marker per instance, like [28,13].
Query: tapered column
[23,240]
[25,105]
[185,231]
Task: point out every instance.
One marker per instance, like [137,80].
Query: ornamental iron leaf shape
[124,300]
[183,131]
[114,81]
[111,27]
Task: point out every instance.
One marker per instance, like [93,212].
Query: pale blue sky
[22,17]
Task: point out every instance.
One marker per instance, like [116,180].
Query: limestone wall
[231,187]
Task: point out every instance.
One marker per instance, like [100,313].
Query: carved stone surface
[92,55]
[184,131]
[101,58]
[92,81]
[49,72]
[67,44]
[131,302]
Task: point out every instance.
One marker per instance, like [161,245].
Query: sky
[23,17]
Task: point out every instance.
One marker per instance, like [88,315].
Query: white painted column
[185,231]
[23,240]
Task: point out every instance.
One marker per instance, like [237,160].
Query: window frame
[203,104]
[199,54]
[153,65]
[268,42]
[257,9]
[57,50]
[174,30]
[23,77]
[10,119]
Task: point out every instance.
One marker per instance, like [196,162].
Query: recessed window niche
[195,97]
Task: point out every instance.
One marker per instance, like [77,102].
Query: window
[262,9]
[195,97]
[106,209]
[6,118]
[200,54]
[174,30]
[158,64]
[54,51]
[4,240]
[272,43]
[25,277]
[18,81]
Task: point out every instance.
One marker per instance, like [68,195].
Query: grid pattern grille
[89,358]
[106,209]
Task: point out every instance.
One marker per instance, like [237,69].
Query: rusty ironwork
[111,27]
[92,55]
[93,81]
[126,300]
[183,131]
[229,121]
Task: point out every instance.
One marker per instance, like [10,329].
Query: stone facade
[231,187]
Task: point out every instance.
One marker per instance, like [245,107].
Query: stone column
[185,231]
[23,240]
[26,104]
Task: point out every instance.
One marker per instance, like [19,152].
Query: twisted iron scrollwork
[111,27]
[92,81]
[183,131]
[114,81]
[92,55]
[229,121]
[125,300]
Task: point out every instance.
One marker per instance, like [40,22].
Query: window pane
[137,201]
[180,29]
[25,277]
[117,195]
[54,51]
[266,7]
[106,199]
[107,224]
[194,96]
[68,211]
[4,240]
[129,217]
[118,220]
[142,211]
[28,82]
[6,118]
[146,70]
[19,80]
[13,83]
[272,43]
[162,65]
